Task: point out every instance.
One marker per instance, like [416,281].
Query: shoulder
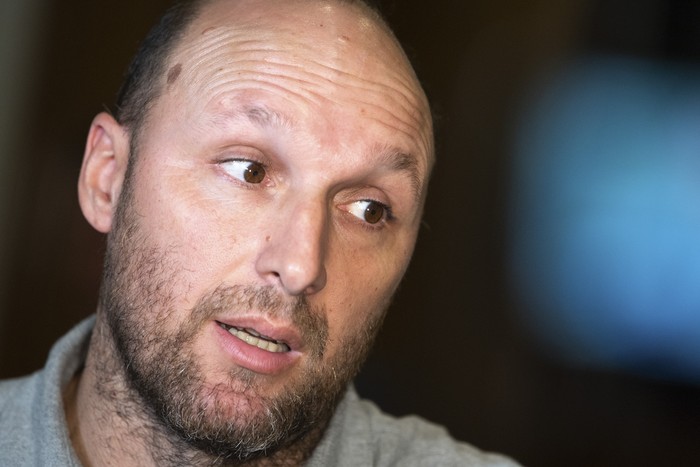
[16,396]
[413,440]
[361,434]
[32,420]
[17,411]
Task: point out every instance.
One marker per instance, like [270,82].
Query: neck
[110,424]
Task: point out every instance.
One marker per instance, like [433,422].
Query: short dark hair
[142,84]
[144,78]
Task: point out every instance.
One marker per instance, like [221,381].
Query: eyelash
[246,184]
[387,216]
[388,212]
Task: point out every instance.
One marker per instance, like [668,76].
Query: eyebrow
[266,117]
[390,157]
[400,161]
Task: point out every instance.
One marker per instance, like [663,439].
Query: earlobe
[102,173]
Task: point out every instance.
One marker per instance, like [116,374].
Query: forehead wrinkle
[252,43]
[312,77]
[224,27]
[411,121]
[245,55]
[212,55]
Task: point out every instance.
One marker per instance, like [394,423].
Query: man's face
[270,215]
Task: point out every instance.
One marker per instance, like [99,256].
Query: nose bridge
[295,247]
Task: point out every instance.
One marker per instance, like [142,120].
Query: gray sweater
[33,429]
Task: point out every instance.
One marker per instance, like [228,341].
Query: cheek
[361,284]
[214,240]
[374,268]
[204,236]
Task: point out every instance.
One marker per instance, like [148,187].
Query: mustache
[310,321]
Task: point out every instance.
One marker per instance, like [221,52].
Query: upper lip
[280,332]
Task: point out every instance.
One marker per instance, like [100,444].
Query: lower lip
[251,357]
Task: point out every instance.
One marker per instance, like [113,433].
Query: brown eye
[369,211]
[254,173]
[245,170]
[374,212]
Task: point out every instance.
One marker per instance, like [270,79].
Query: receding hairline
[170,67]
[361,7]
[134,91]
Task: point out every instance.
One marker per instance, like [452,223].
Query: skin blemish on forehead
[208,30]
[174,73]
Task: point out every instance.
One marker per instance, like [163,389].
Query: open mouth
[254,338]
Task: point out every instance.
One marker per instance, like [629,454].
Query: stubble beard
[231,422]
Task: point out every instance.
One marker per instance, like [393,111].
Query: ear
[102,173]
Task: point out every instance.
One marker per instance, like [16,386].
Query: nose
[294,250]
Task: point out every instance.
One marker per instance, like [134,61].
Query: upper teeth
[252,337]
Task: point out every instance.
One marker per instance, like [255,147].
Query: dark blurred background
[492,332]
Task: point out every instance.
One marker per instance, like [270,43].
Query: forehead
[309,53]
[318,24]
